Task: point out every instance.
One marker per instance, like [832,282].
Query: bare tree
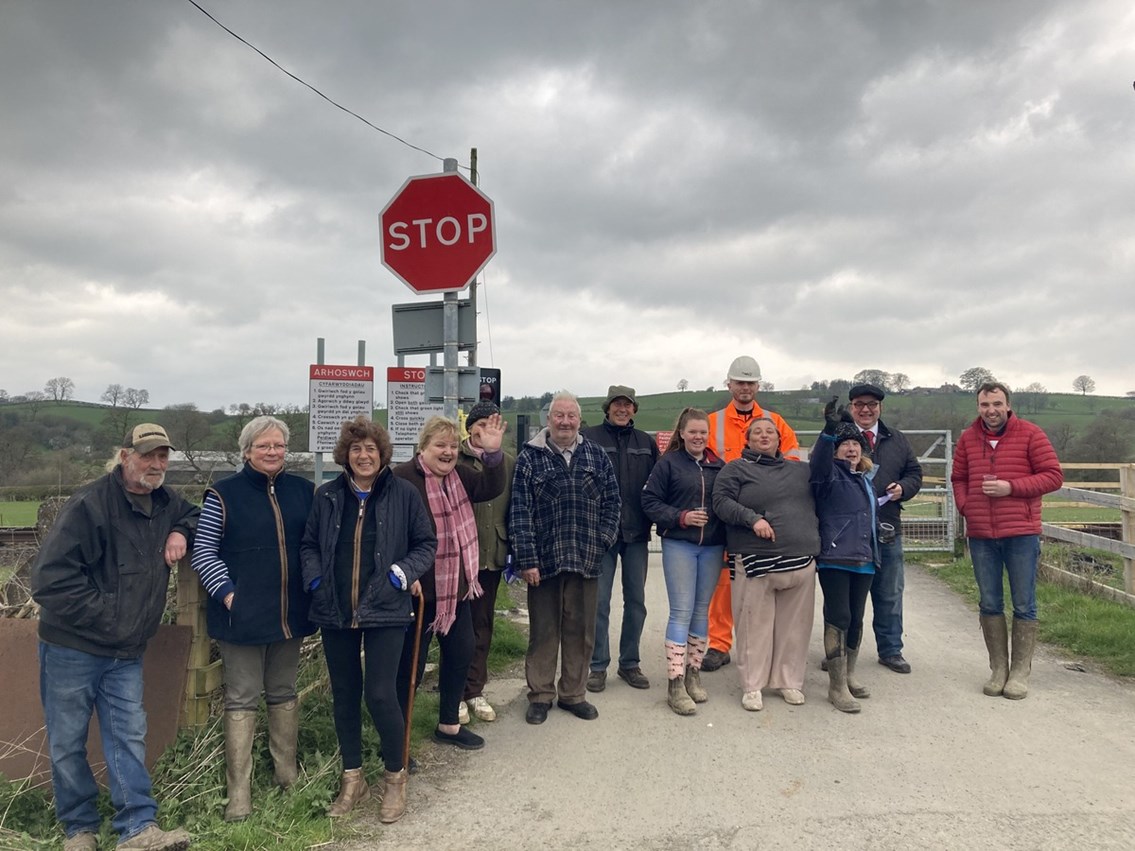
[60,389]
[974,377]
[135,398]
[34,400]
[872,376]
[683,385]
[1032,398]
[113,394]
[191,432]
[900,381]
[1084,384]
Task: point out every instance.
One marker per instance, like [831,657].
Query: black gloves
[834,416]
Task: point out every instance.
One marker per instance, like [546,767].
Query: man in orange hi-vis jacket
[727,439]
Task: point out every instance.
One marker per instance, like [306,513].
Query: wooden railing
[1125,502]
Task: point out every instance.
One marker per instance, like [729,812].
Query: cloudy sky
[916,187]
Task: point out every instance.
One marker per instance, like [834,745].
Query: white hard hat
[744,368]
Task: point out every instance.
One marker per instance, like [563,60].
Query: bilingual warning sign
[336,393]
[407,408]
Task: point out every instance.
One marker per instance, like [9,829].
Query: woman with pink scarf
[449,491]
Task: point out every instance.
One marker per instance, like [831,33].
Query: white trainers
[462,713]
[792,696]
[752,701]
[482,709]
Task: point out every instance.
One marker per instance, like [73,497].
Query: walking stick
[413,681]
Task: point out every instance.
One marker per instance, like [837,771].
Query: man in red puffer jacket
[1003,465]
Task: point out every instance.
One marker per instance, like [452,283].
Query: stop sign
[437,233]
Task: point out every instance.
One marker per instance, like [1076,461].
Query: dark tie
[870,435]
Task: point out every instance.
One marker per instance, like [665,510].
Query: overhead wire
[373,126]
[303,82]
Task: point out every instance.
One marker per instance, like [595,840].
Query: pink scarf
[456,544]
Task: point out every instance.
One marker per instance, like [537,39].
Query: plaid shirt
[563,518]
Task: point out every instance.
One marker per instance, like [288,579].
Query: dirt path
[930,763]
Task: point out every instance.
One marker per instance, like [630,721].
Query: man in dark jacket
[563,517]
[632,453]
[100,579]
[898,478]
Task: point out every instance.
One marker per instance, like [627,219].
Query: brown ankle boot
[353,790]
[393,796]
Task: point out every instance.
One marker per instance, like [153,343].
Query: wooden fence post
[1127,513]
[204,675]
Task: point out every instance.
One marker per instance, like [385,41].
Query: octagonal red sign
[437,233]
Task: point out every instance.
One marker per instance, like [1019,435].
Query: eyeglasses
[868,405]
[269,447]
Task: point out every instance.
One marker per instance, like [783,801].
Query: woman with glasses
[765,502]
[247,555]
[678,497]
[367,541]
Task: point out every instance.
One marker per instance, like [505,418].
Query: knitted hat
[481,411]
[850,431]
[619,391]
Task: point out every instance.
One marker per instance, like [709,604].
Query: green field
[18,513]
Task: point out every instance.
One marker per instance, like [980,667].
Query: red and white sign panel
[407,408]
[437,233]
[662,438]
[336,393]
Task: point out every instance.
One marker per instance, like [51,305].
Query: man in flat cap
[100,579]
[632,453]
[898,479]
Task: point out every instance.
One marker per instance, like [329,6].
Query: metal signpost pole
[449,334]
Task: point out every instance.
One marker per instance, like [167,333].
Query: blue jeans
[1017,556]
[633,557]
[691,573]
[72,684]
[886,599]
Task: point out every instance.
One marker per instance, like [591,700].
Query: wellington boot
[240,729]
[835,649]
[678,698]
[856,688]
[1024,641]
[694,687]
[283,729]
[353,790]
[997,643]
[393,796]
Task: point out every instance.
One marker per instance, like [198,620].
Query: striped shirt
[759,565]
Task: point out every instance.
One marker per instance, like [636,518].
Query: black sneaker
[715,659]
[896,663]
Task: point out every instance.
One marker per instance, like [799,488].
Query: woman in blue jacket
[679,498]
[841,475]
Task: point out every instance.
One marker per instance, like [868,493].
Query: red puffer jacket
[1024,457]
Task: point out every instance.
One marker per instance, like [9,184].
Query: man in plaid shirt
[563,518]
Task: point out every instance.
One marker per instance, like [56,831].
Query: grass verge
[1091,628]
[189,779]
